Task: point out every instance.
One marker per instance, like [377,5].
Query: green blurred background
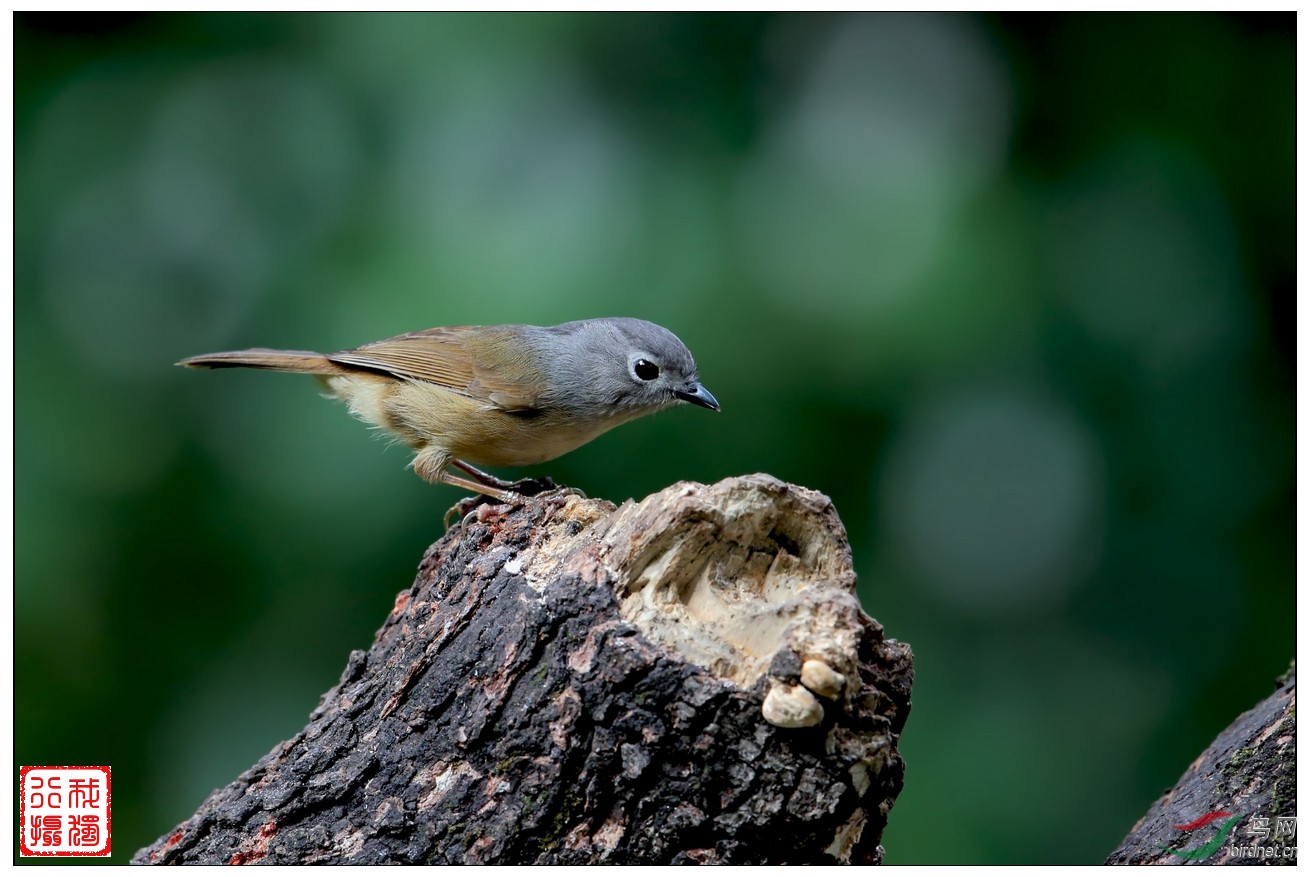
[1016,292]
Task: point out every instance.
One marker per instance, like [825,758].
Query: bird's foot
[532,486]
[542,486]
[478,508]
[484,506]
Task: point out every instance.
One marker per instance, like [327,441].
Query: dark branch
[688,679]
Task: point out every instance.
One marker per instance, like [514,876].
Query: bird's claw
[526,488]
[532,486]
[477,508]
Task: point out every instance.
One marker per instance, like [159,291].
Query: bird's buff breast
[423,415]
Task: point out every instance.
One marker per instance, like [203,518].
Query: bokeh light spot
[992,498]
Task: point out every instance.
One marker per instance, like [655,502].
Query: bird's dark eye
[647,371]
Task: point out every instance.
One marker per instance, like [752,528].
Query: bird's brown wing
[484,363]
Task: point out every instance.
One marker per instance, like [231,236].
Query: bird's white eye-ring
[645,370]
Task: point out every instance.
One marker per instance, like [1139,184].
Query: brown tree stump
[685,679]
[1247,773]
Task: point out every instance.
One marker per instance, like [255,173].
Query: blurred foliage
[1016,291]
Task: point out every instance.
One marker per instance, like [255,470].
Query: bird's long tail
[304,361]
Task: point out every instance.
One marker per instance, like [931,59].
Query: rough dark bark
[1247,773]
[685,679]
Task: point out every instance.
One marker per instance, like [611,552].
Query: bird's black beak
[698,395]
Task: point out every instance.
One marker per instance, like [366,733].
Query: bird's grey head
[623,367]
